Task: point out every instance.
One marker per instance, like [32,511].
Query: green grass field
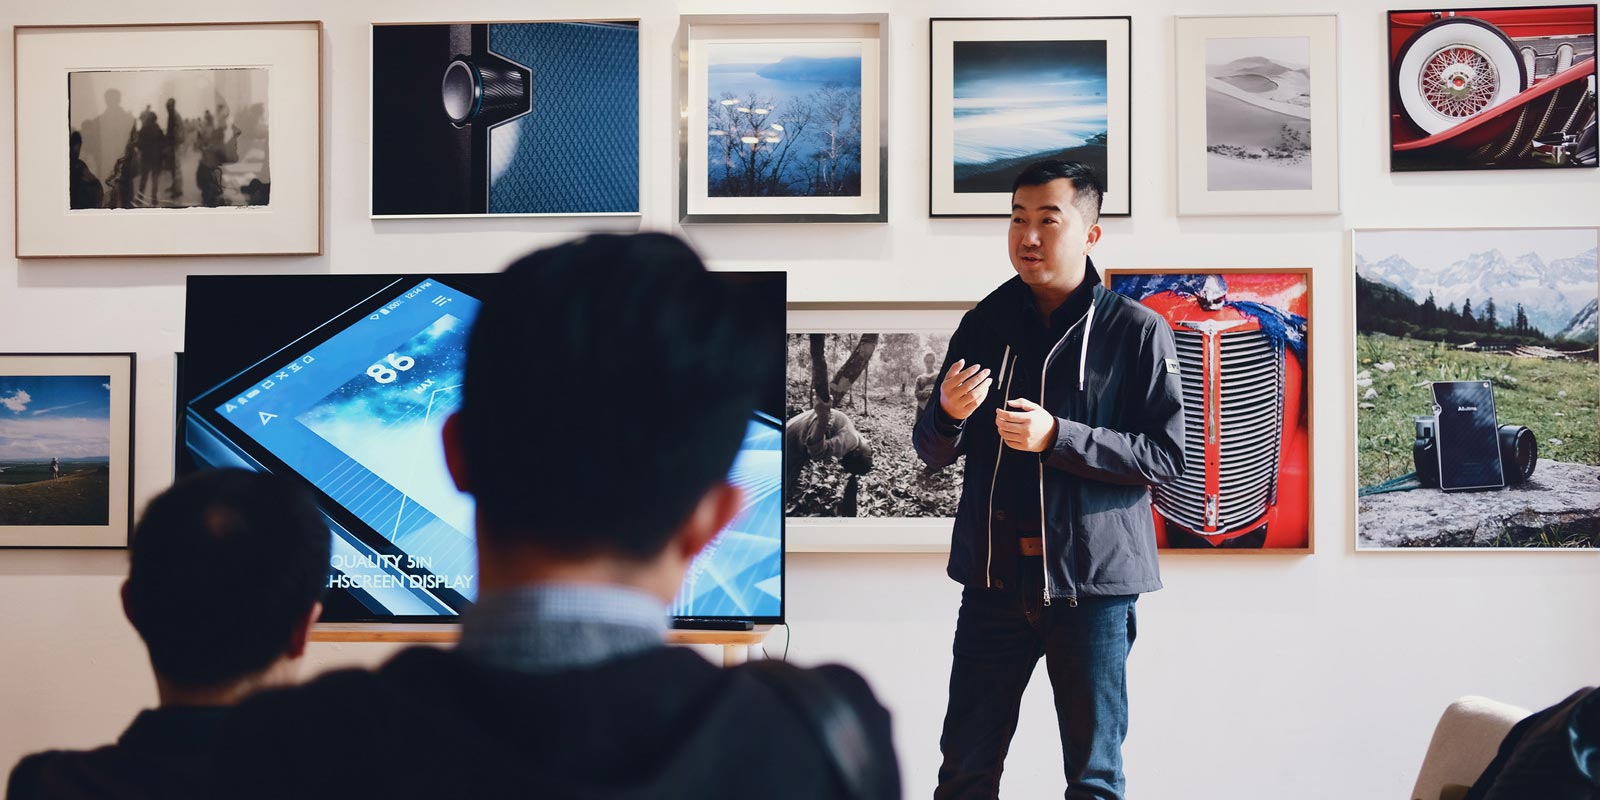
[1557,399]
[82,497]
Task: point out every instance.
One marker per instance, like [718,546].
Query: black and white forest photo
[869,387]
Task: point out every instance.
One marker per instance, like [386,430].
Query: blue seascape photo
[1019,102]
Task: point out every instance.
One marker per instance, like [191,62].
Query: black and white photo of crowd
[180,138]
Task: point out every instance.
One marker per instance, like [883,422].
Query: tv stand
[735,644]
[690,624]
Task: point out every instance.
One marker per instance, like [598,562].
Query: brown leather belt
[1031,546]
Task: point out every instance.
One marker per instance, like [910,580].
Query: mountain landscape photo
[1511,308]
[1553,281]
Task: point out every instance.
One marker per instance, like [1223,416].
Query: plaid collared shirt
[559,626]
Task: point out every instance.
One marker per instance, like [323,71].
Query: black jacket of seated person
[163,754]
[661,723]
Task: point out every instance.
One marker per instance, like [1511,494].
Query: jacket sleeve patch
[1172,366]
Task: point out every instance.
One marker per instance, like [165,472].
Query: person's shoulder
[25,776]
[56,773]
[330,693]
[1111,305]
[843,682]
[997,304]
[852,685]
[814,717]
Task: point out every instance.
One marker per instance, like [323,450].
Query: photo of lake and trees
[783,119]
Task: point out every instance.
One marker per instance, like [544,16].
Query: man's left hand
[1029,428]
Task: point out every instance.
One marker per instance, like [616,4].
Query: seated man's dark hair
[224,566]
[1087,187]
[609,384]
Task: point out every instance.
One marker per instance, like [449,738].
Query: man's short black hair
[1087,187]
[609,384]
[224,565]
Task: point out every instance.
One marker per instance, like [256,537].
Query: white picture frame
[290,223]
[1221,178]
[704,40]
[1401,345]
[73,413]
[872,534]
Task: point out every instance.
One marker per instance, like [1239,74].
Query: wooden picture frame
[242,176]
[1244,338]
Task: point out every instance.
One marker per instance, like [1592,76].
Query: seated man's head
[609,385]
[227,573]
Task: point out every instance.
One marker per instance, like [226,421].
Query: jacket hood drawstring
[1083,354]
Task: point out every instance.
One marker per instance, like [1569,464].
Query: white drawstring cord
[1083,355]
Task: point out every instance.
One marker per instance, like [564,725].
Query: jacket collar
[999,308]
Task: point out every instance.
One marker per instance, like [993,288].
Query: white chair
[1464,742]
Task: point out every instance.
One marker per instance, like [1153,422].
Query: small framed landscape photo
[181,140]
[1258,114]
[66,446]
[783,118]
[1005,93]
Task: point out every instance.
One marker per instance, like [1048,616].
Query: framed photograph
[855,483]
[1258,114]
[1005,93]
[505,118]
[1492,88]
[783,119]
[66,449]
[182,140]
[1477,389]
[1244,356]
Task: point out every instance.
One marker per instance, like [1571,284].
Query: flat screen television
[343,382]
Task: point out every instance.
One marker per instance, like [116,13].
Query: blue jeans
[1000,635]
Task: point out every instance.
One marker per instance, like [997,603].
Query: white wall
[1254,677]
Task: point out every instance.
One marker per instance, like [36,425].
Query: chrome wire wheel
[1458,81]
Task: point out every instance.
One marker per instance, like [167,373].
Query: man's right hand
[963,389]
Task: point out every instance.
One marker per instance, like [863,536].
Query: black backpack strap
[834,722]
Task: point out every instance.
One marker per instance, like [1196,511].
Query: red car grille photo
[1233,409]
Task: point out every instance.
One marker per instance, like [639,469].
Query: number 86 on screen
[390,367]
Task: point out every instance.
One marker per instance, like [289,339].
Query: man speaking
[1066,400]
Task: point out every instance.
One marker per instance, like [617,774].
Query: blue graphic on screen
[388,421]
[360,417]
[740,574]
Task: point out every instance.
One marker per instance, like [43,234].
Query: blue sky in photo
[55,416]
[1014,99]
[810,62]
